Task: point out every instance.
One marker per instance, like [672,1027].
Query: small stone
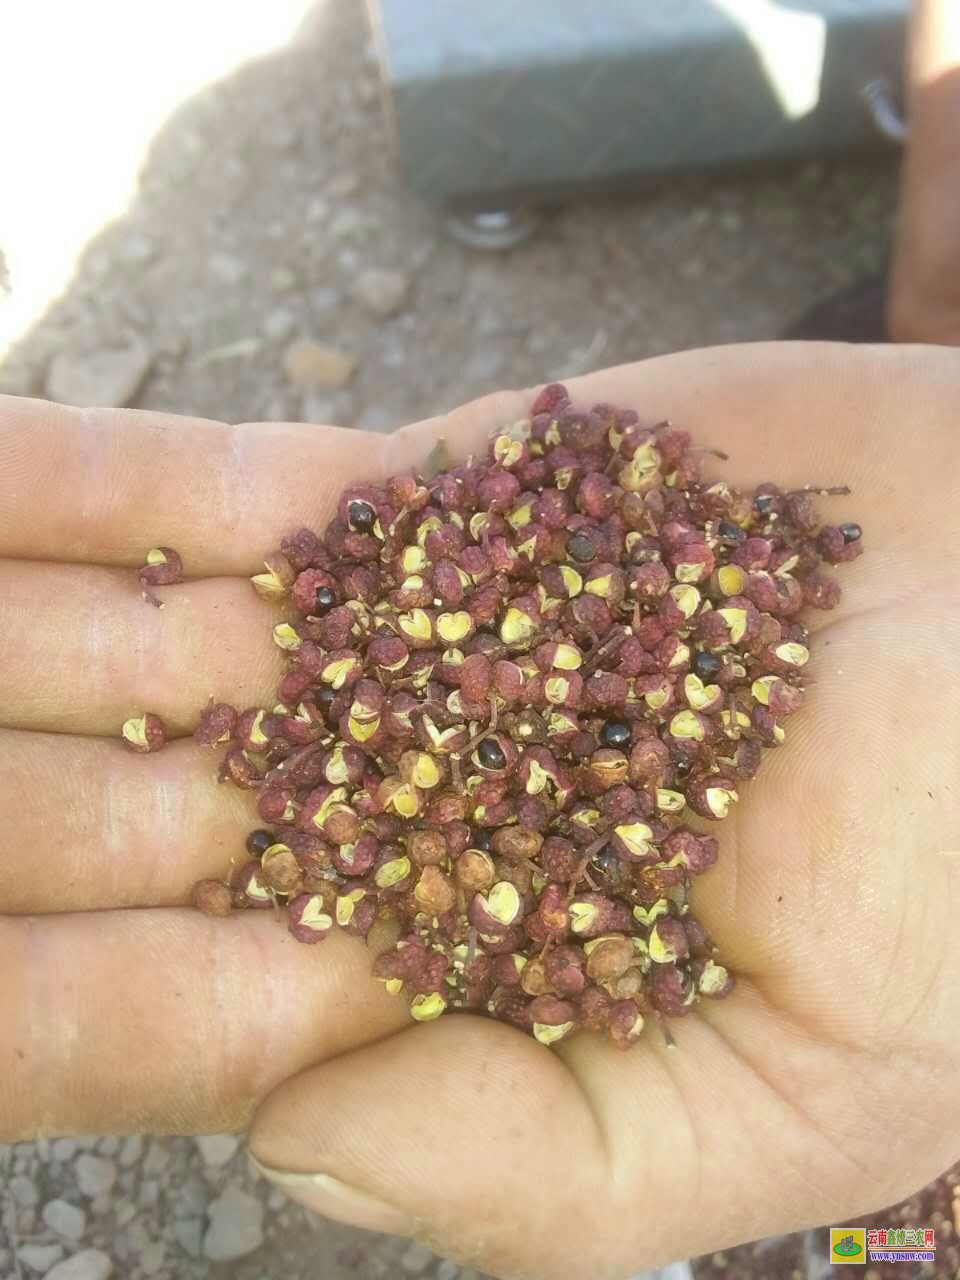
[108,1146]
[191,1202]
[276,1200]
[278,323]
[90,1264]
[227,267]
[153,1257]
[65,1219]
[416,1258]
[124,1212]
[381,291]
[23,1191]
[138,249]
[95,1174]
[281,279]
[325,298]
[314,364]
[39,1257]
[64,1149]
[342,185]
[109,378]
[158,1157]
[216,1149]
[189,1235]
[236,1226]
[447,1270]
[149,1193]
[131,1151]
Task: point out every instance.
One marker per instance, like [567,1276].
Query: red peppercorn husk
[508,685]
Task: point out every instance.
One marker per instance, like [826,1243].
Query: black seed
[607,862]
[706,665]
[325,698]
[580,548]
[490,754]
[851,532]
[323,601]
[615,734]
[763,503]
[480,840]
[681,768]
[258,841]
[361,516]
[730,532]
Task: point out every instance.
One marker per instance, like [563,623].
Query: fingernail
[335,1199]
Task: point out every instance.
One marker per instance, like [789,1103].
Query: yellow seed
[713,978]
[572,580]
[548,1034]
[428,526]
[795,655]
[583,916]
[453,627]
[736,620]
[556,689]
[335,673]
[688,572]
[363,730]
[285,637]
[413,560]
[503,902]
[636,836]
[761,689]
[257,737]
[537,778]
[600,586]
[520,516]
[392,872]
[731,579]
[269,586]
[681,655]
[425,773]
[657,698]
[416,624]
[506,451]
[155,556]
[686,597]
[687,724]
[698,694]
[517,627]
[135,730]
[669,801]
[394,986]
[647,915]
[424,1008]
[719,800]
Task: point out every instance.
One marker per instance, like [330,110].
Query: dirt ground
[264,205]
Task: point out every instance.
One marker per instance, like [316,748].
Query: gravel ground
[272,266]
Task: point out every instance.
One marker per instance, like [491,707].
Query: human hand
[825,1086]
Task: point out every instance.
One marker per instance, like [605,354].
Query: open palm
[825,1086]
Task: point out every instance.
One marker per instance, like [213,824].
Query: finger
[587,1163]
[90,826]
[81,650]
[168,1021]
[116,482]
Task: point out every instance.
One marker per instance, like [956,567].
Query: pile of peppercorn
[507,684]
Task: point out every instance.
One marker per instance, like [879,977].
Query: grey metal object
[495,230]
[496,101]
[884,111]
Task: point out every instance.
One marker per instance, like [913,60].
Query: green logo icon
[847,1247]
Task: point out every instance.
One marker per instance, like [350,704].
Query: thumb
[463,1133]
